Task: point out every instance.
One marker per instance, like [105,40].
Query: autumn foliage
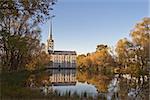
[129,56]
[99,60]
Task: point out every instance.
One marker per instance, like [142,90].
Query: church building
[60,59]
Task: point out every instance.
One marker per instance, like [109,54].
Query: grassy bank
[13,85]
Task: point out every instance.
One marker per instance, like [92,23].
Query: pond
[85,83]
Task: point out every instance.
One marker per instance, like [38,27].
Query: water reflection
[62,77]
[72,81]
[61,81]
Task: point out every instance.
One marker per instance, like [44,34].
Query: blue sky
[80,25]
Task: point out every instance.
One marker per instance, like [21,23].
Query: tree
[122,51]
[101,60]
[104,59]
[100,47]
[80,59]
[19,31]
[38,61]
[141,38]
[134,54]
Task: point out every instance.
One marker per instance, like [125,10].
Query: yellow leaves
[133,55]
[122,47]
[97,59]
[38,61]
[100,81]
[31,66]
[146,20]
[141,32]
[80,59]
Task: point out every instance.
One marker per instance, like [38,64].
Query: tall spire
[50,29]
[50,41]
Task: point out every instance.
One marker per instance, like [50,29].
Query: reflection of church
[62,77]
[60,59]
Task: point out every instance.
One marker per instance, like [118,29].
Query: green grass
[14,78]
[13,84]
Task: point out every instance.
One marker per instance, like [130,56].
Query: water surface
[79,82]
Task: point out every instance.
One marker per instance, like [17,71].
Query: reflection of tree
[123,93]
[100,81]
[139,91]
[39,79]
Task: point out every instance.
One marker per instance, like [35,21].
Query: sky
[80,25]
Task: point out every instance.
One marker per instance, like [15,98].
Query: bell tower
[50,41]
